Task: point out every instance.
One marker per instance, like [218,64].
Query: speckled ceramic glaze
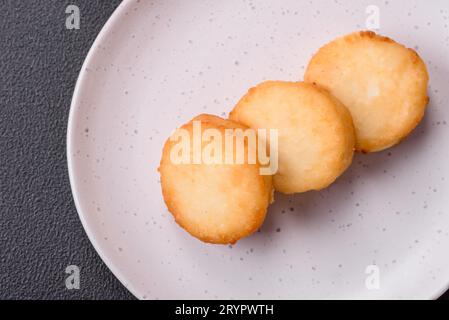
[157,64]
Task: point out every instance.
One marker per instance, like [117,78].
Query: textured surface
[40,233]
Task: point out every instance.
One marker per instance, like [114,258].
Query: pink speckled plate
[381,231]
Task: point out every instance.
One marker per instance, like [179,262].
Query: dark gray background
[40,233]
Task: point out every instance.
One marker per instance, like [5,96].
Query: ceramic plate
[381,231]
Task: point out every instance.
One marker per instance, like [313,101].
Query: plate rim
[79,87]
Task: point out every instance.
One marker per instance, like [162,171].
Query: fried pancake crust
[381,82]
[216,203]
[316,134]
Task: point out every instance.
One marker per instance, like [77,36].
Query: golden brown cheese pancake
[216,203]
[381,82]
[316,134]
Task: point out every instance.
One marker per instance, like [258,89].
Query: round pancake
[315,132]
[381,82]
[216,203]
